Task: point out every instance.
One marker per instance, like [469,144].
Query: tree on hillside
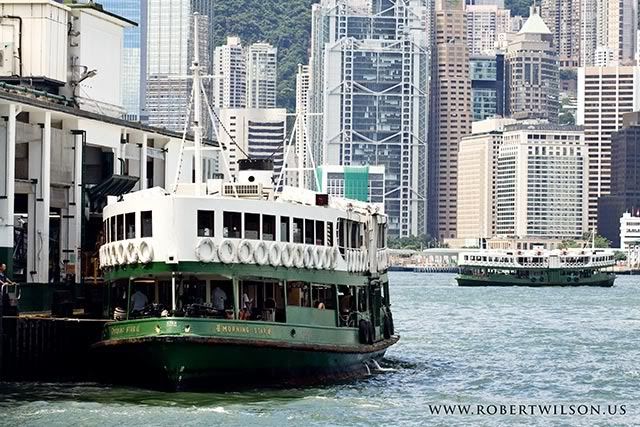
[518,7]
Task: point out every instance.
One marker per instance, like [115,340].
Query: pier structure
[63,144]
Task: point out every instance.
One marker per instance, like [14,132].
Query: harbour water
[486,347]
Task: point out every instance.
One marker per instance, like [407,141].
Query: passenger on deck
[219,298]
[139,301]
[319,305]
[3,275]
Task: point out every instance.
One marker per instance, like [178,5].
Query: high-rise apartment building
[262,60]
[487,86]
[369,81]
[170,38]
[625,178]
[563,17]
[608,27]
[532,72]
[540,183]
[604,95]
[230,83]
[134,55]
[303,82]
[484,23]
[477,172]
[259,133]
[452,110]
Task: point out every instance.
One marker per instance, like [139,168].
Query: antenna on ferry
[197,110]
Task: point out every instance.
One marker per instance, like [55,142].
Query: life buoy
[365,259]
[113,249]
[298,256]
[286,255]
[132,253]
[101,256]
[348,259]
[121,254]
[275,253]
[245,252]
[328,257]
[206,250]
[335,257]
[261,253]
[227,251]
[318,257]
[308,256]
[145,252]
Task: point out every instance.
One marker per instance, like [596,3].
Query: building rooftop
[535,25]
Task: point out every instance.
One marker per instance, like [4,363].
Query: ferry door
[376,302]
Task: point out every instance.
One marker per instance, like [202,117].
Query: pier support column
[143,162]
[74,256]
[8,189]
[39,204]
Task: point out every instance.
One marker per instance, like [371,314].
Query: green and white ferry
[224,284]
[537,267]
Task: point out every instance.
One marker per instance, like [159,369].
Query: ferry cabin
[242,254]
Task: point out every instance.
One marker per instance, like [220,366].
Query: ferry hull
[198,363]
[468,282]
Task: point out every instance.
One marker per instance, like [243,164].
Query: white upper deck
[570,258]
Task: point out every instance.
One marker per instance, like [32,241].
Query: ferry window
[324,294]
[120,227]
[146,224]
[251,226]
[130,225]
[329,233]
[232,224]
[308,231]
[319,232]
[112,229]
[297,230]
[284,229]
[298,294]
[382,240]
[206,222]
[268,227]
[355,233]
[342,241]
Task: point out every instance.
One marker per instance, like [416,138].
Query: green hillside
[518,7]
[285,24]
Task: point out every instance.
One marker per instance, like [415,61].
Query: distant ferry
[573,267]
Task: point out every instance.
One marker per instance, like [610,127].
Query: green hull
[600,280]
[241,354]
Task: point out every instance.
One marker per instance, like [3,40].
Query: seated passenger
[219,298]
[139,301]
[319,305]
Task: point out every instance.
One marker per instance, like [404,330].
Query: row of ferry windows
[256,227]
[123,226]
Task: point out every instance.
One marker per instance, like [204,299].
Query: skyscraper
[134,55]
[369,70]
[608,28]
[169,57]
[604,95]
[262,60]
[487,86]
[532,72]
[230,84]
[563,17]
[484,23]
[452,111]
[303,81]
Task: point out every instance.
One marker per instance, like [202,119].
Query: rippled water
[487,346]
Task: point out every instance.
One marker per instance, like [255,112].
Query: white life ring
[261,253]
[365,259]
[206,250]
[132,253]
[245,252]
[298,256]
[113,250]
[145,252]
[308,256]
[318,257]
[227,251]
[335,257]
[287,255]
[328,258]
[275,254]
[101,256]
[121,253]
